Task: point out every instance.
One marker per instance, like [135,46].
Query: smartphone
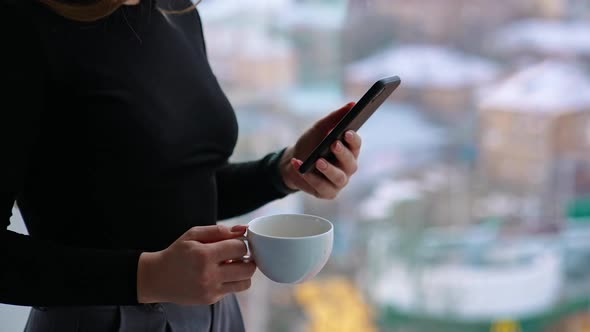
[353,120]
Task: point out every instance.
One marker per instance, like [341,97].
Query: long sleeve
[34,272]
[244,187]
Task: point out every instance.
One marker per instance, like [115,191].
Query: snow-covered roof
[550,86]
[411,130]
[425,66]
[546,36]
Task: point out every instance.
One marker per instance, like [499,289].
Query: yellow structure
[334,304]
[506,326]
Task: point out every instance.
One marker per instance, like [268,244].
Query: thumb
[214,233]
[331,120]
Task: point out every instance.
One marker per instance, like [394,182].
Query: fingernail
[239,228]
[322,164]
[338,146]
[349,135]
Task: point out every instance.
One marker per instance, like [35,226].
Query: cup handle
[248,257]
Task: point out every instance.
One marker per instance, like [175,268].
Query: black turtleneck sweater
[114,140]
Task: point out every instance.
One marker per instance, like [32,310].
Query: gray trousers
[224,316]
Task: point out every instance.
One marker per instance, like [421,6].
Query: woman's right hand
[194,269]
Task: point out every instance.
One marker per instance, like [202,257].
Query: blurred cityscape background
[471,207]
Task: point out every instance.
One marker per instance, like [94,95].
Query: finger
[346,159]
[228,249]
[335,175]
[322,187]
[353,141]
[239,229]
[331,120]
[236,286]
[300,180]
[237,271]
[209,234]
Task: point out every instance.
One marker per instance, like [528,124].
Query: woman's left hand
[327,179]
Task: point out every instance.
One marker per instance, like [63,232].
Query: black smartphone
[353,120]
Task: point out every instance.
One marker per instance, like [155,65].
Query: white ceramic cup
[290,248]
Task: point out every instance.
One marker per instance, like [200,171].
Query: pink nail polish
[322,164]
[349,135]
[296,163]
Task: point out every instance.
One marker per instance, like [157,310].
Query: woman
[115,138]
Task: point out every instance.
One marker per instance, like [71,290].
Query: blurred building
[535,39]
[464,275]
[285,63]
[366,31]
[535,132]
[249,62]
[435,195]
[253,63]
[561,9]
[552,8]
[439,79]
[455,21]
[315,29]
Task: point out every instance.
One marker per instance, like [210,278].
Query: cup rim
[291,237]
